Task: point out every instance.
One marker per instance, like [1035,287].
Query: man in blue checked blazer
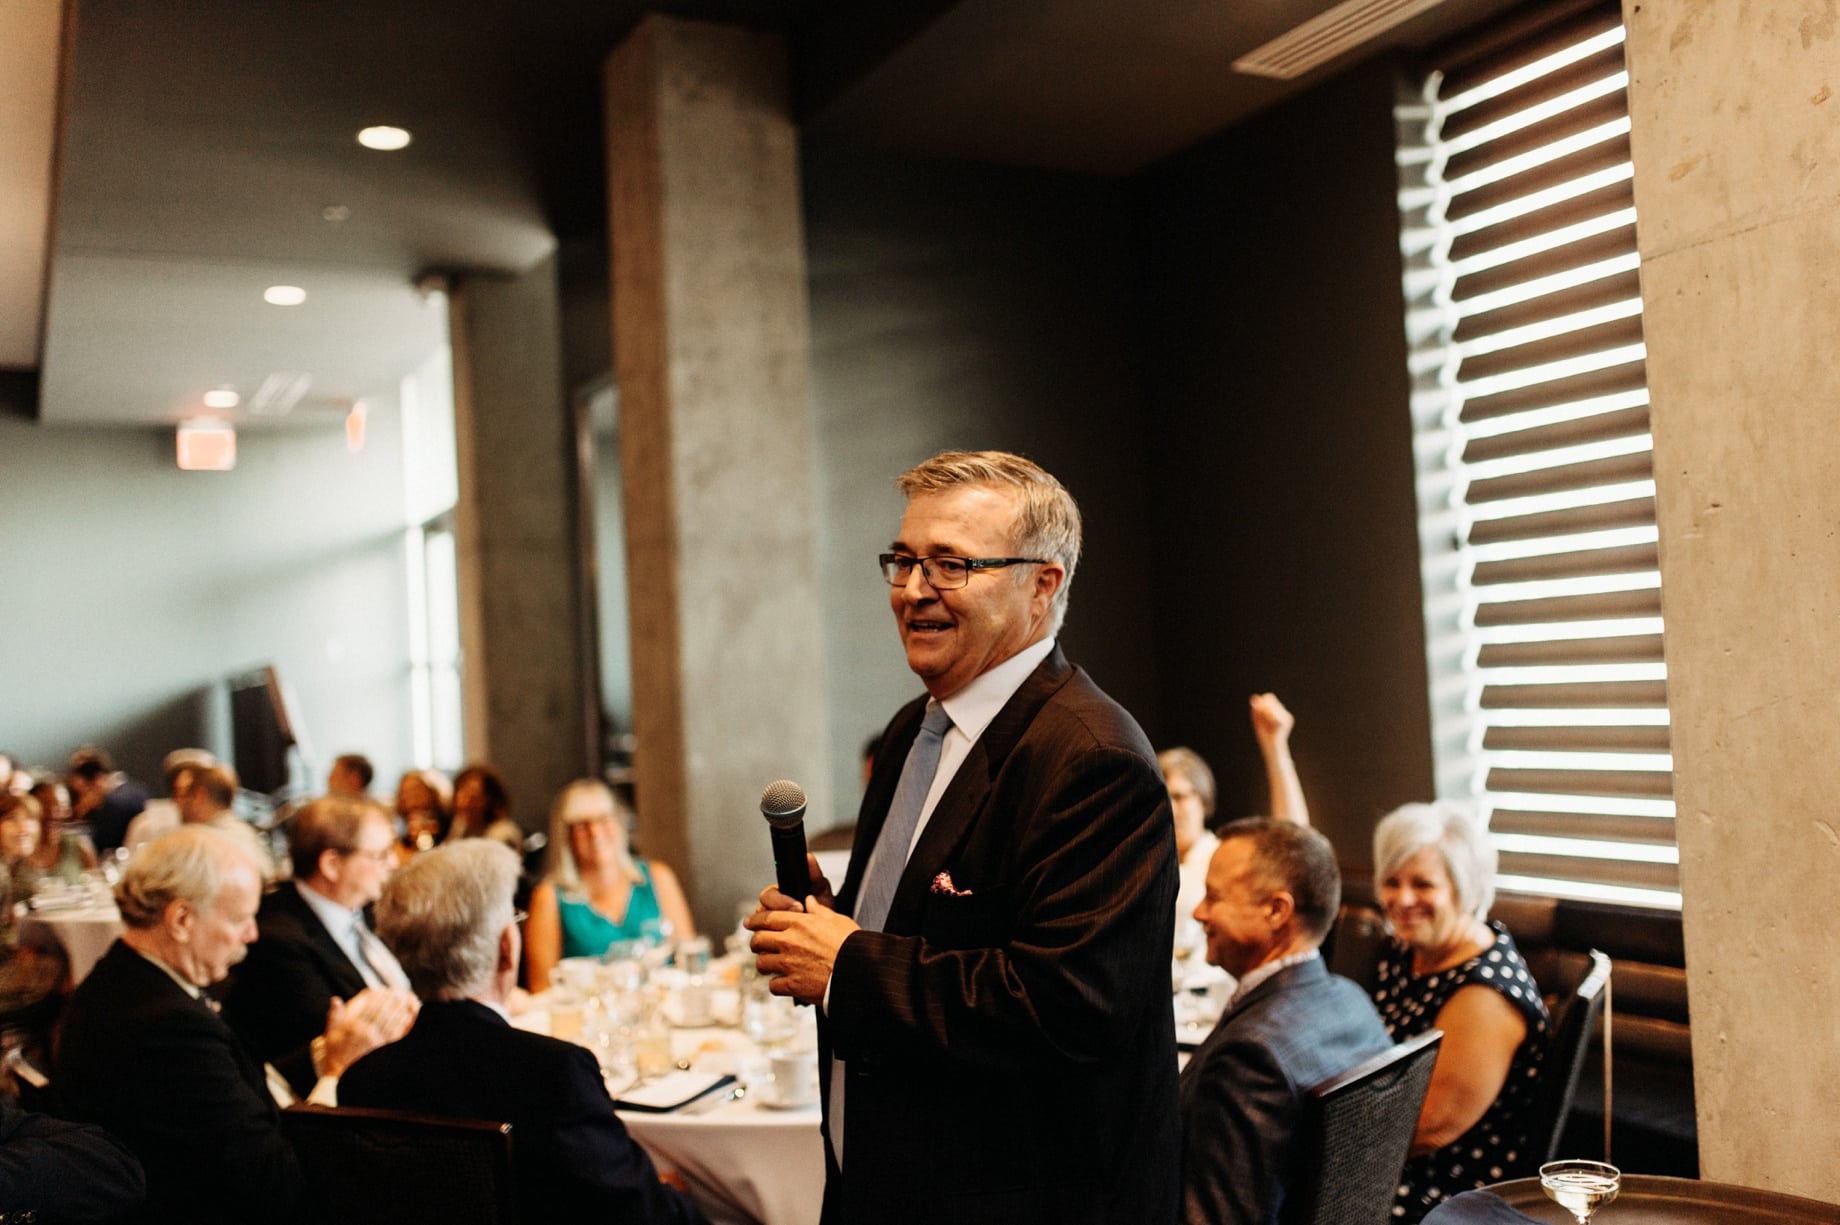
[1272,893]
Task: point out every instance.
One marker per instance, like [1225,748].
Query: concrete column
[710,352]
[1736,132]
[520,619]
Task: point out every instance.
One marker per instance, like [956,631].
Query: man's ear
[178,918]
[1048,579]
[330,864]
[508,947]
[1280,908]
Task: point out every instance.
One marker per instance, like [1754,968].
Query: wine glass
[1580,1187]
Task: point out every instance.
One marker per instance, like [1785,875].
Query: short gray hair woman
[1447,968]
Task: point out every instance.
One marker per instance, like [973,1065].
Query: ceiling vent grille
[1328,36]
[279,393]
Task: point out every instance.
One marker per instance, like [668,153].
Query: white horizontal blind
[1543,593]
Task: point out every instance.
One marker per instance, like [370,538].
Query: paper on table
[671,1091]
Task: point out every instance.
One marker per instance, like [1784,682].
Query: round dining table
[745,1162]
[1648,1199]
[82,934]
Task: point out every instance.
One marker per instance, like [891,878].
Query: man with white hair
[145,1055]
[448,917]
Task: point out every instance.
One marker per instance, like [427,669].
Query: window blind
[1530,402]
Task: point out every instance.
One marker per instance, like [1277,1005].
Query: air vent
[279,393]
[1328,36]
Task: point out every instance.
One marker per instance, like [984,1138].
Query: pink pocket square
[942,884]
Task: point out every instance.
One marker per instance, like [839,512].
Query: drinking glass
[1580,1187]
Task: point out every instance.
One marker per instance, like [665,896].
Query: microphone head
[783,804]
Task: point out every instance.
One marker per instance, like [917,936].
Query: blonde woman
[597,892]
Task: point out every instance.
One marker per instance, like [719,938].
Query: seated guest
[1272,894]
[1192,793]
[145,1055]
[351,775]
[206,799]
[482,809]
[1445,968]
[103,797]
[161,815]
[596,892]
[21,825]
[424,799]
[54,803]
[53,1171]
[448,916]
[315,946]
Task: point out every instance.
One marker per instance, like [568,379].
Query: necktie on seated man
[379,960]
[889,859]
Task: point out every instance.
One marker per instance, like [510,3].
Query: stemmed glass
[1580,1187]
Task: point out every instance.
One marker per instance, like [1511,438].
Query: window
[1536,485]
[430,490]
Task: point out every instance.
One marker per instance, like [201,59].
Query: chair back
[1355,1133]
[1352,948]
[384,1167]
[1574,1015]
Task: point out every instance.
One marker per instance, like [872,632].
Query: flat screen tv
[263,731]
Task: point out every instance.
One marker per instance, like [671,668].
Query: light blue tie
[889,859]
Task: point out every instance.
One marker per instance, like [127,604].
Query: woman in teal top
[597,893]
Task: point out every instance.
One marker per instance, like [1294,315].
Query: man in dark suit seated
[448,917]
[145,1055]
[1272,893]
[51,1170]
[316,946]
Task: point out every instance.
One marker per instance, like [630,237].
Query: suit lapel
[346,976]
[966,796]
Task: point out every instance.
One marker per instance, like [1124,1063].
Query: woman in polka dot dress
[1447,969]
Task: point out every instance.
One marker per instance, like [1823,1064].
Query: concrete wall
[1737,159]
[131,585]
[1285,535]
[964,306]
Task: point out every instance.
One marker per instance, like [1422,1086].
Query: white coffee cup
[792,1078]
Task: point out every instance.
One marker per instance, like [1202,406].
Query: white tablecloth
[84,933]
[745,1163]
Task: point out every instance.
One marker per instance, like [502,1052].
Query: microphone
[783,805]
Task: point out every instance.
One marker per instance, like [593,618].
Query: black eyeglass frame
[972,565]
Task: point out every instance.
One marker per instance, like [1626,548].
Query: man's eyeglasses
[945,573]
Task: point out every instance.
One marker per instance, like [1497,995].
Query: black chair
[383,1167]
[1575,1007]
[1356,1130]
[1353,946]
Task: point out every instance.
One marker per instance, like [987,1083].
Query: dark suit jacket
[1243,1092]
[574,1160]
[1011,1051]
[278,996]
[64,1171]
[163,1073]
[108,821]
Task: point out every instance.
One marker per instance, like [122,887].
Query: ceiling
[207,151]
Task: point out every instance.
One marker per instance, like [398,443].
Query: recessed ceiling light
[384,137]
[284,295]
[222,397]
[335,212]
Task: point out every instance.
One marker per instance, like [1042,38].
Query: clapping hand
[374,1017]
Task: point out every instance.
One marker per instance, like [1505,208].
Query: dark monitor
[261,730]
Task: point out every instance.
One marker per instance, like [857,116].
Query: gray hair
[1187,763]
[1047,523]
[442,914]
[1459,835]
[186,864]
